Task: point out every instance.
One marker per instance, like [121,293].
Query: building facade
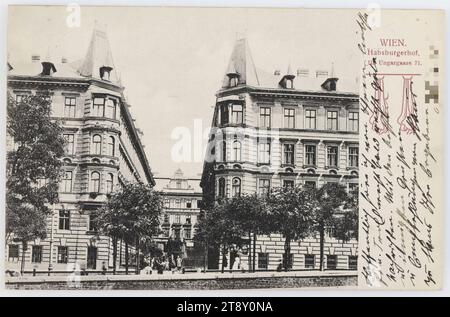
[103,151]
[182,198]
[283,129]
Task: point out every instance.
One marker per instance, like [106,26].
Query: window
[288,151]
[64,219]
[187,233]
[309,261]
[236,187]
[98,109]
[353,188]
[188,220]
[289,83]
[111,146]
[332,156]
[236,114]
[224,151]
[263,261]
[63,254]
[178,184]
[166,218]
[223,114]
[36,254]
[97,144]
[264,117]
[105,72]
[288,183]
[92,227]
[236,151]
[92,258]
[177,219]
[352,262]
[67,182]
[353,153]
[13,253]
[189,204]
[353,121]
[221,193]
[310,184]
[69,146]
[166,232]
[263,186]
[95,182]
[19,98]
[264,152]
[310,119]
[110,183]
[233,81]
[289,118]
[177,233]
[332,121]
[110,110]
[290,260]
[310,151]
[69,107]
[331,262]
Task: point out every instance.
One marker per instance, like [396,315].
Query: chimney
[35,58]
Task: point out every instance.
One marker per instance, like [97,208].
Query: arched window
[109,183]
[111,146]
[95,182]
[221,192]
[236,151]
[236,187]
[96,144]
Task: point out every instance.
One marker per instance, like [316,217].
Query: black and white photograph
[182,148]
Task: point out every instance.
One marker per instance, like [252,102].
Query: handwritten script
[399,196]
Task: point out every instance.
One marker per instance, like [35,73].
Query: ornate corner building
[182,199]
[282,129]
[103,151]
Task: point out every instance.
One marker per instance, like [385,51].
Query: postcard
[182,148]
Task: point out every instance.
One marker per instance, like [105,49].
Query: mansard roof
[306,80]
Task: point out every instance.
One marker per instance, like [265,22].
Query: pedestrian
[237,263]
[179,263]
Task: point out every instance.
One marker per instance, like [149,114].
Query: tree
[249,212]
[347,222]
[33,167]
[131,213]
[328,201]
[290,215]
[218,228]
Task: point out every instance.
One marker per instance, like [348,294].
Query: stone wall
[191,282]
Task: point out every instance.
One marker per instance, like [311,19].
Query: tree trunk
[137,255]
[322,239]
[22,264]
[249,251]
[114,243]
[126,257]
[254,251]
[287,252]
[224,251]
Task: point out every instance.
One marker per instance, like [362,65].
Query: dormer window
[233,81]
[233,76]
[48,68]
[289,83]
[105,72]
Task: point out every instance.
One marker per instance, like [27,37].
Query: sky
[172,60]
